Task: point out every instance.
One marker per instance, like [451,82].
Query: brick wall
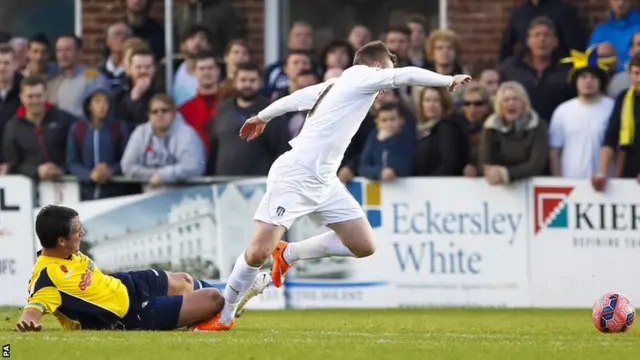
[480,22]
[98,14]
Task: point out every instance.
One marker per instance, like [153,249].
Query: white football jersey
[336,108]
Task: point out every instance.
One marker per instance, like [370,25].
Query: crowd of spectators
[526,112]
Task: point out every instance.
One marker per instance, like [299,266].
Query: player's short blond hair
[448,36]
[372,52]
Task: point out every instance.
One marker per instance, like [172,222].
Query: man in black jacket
[564,17]
[9,91]
[229,154]
[35,139]
[133,98]
[539,70]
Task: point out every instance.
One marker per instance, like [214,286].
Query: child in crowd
[388,152]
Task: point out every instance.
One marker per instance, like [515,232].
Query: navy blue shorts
[150,308]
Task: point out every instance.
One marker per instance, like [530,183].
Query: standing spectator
[236,53]
[185,83]
[418,25]
[606,50]
[624,21]
[35,139]
[145,27]
[295,63]
[577,126]
[9,93]
[388,152]
[539,71]
[38,55]
[484,73]
[621,81]
[397,40]
[229,154]
[620,133]
[359,36]
[133,100]
[337,54]
[199,111]
[442,148]
[332,73]
[443,50]
[71,86]
[94,148]
[222,21]
[113,68]
[164,150]
[19,46]
[476,108]
[300,42]
[563,16]
[514,143]
[296,120]
[130,46]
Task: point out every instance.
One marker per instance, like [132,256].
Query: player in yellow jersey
[67,284]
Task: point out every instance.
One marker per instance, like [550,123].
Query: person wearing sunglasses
[164,150]
[476,108]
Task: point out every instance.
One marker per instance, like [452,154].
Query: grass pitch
[459,334]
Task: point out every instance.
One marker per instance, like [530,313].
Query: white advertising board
[583,243]
[17,250]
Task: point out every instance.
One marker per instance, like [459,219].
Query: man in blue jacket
[623,22]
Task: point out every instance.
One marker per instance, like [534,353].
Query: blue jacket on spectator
[103,144]
[176,156]
[619,32]
[395,152]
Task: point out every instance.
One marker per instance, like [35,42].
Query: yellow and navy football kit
[80,296]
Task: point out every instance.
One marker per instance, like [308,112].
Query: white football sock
[319,246]
[239,282]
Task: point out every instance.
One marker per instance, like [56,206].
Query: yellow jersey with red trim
[77,293]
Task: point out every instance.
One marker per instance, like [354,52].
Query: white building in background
[188,234]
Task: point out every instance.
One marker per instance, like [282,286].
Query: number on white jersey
[315,105]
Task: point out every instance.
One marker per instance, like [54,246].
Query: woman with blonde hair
[514,142]
[441,148]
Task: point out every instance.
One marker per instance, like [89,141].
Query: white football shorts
[295,194]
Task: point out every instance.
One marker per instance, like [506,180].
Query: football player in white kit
[304,181]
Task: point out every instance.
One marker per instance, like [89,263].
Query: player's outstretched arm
[29,320]
[385,79]
[299,100]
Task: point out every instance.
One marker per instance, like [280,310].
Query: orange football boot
[279,265]
[213,324]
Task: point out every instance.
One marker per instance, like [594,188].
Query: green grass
[459,334]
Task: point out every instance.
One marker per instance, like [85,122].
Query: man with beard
[185,82]
[229,155]
[199,111]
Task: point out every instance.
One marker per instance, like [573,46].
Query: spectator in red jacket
[199,111]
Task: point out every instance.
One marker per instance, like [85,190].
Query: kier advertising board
[583,243]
